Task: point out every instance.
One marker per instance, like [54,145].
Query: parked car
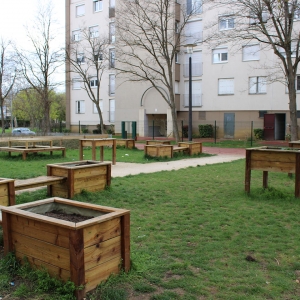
[22,131]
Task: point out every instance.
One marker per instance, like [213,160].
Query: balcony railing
[196,100]
[197,69]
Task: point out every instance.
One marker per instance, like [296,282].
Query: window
[197,64]
[176,87]
[80,58]
[298,83]
[97,5]
[111,12]
[196,93]
[80,10]
[193,6]
[220,55]
[76,84]
[111,110]
[80,107]
[255,18]
[293,49]
[95,111]
[98,57]
[251,52]
[257,85]
[226,86]
[226,23]
[93,82]
[177,57]
[176,27]
[111,58]
[94,31]
[112,36]
[76,35]
[112,86]
[193,32]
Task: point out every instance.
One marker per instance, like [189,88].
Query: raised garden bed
[158,150]
[127,143]
[193,147]
[86,252]
[155,142]
[81,175]
[274,159]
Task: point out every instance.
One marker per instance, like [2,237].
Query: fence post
[153,130]
[79,127]
[251,132]
[215,132]
[182,130]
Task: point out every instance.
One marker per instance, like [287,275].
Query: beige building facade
[231,86]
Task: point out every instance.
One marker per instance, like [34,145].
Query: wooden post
[297,176]
[114,151]
[93,150]
[77,269]
[108,175]
[248,171]
[7,237]
[101,153]
[265,179]
[80,150]
[125,242]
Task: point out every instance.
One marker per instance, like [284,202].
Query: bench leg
[24,155]
[265,179]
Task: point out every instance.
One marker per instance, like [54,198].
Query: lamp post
[189,50]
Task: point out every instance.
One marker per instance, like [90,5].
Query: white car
[22,131]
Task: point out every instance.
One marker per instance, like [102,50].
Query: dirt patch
[66,217]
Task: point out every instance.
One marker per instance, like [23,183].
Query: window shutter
[251,52]
[262,84]
[226,86]
[82,107]
[80,10]
[252,85]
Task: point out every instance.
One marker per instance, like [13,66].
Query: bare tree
[272,24]
[148,39]
[87,55]
[7,76]
[39,65]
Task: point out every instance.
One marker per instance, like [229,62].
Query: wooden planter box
[155,142]
[159,150]
[193,147]
[272,159]
[81,175]
[7,192]
[127,143]
[86,252]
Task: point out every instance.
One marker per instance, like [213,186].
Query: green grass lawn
[195,234]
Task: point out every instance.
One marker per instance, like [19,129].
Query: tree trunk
[293,107]
[174,117]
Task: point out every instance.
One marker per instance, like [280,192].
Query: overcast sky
[15,14]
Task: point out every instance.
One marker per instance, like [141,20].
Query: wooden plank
[56,171]
[6,228]
[41,250]
[35,182]
[90,172]
[100,273]
[77,267]
[125,242]
[4,200]
[58,191]
[99,233]
[102,252]
[47,233]
[54,271]
[271,156]
[285,167]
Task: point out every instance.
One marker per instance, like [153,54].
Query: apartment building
[229,81]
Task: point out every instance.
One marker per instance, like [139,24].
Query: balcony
[197,69]
[196,100]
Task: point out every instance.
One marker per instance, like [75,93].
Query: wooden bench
[36,148]
[180,149]
[37,182]
[9,186]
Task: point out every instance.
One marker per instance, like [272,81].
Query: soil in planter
[66,217]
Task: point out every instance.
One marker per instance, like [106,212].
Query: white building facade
[230,83]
